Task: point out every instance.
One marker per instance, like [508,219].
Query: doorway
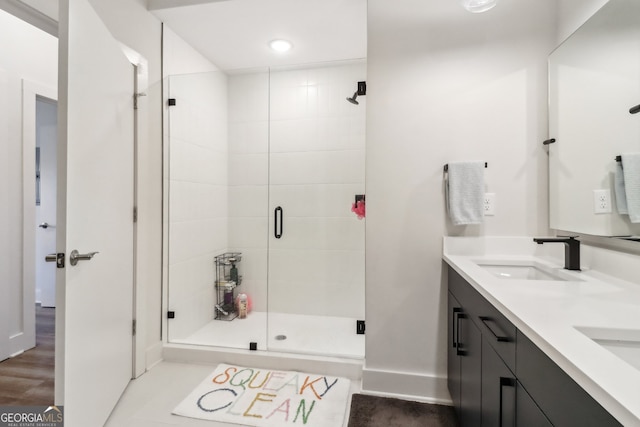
[45,226]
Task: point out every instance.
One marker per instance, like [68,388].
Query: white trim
[141,113]
[17,343]
[153,355]
[406,385]
[30,15]
[168,4]
[30,90]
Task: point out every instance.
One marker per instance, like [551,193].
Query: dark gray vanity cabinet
[464,367]
[528,413]
[562,400]
[499,378]
[498,390]
[481,358]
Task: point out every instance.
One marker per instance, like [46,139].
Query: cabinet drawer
[561,399]
[500,333]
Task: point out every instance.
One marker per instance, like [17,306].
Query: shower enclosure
[267,164]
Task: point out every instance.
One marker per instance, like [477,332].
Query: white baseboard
[153,355]
[406,385]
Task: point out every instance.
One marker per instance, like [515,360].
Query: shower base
[320,344]
[290,333]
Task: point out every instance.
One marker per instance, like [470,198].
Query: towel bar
[446,167]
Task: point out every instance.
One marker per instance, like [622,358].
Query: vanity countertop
[556,314]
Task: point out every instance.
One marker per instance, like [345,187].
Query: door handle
[506,382]
[75,256]
[459,346]
[456,313]
[278,222]
[500,338]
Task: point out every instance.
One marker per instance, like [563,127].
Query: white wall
[444,85]
[31,55]
[573,13]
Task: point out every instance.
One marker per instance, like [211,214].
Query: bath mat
[374,411]
[263,397]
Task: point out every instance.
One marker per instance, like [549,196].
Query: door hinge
[135,214]
[360,327]
[133,327]
[135,99]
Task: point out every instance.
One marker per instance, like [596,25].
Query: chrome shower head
[353,99]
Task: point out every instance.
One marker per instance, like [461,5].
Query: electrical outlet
[489,204]
[601,201]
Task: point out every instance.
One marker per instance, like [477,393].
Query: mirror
[594,80]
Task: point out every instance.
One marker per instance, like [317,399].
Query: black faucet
[571,250]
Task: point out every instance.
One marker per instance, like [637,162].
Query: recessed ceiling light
[280,45]
[478,6]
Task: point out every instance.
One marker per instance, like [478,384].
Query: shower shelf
[227,282]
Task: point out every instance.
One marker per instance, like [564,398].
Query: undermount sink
[521,271]
[624,343]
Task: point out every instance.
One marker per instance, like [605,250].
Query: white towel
[631,168]
[464,190]
[618,187]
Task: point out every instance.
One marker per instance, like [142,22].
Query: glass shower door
[316,244]
[217,204]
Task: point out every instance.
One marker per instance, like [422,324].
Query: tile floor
[149,400]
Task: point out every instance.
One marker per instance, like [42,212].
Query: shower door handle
[278,222]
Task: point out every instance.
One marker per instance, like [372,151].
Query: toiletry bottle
[228,294]
[233,273]
[242,306]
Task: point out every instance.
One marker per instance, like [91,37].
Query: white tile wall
[248,180]
[225,185]
[198,193]
[317,143]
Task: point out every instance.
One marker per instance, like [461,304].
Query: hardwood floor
[28,378]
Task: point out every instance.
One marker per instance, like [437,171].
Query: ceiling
[234,34]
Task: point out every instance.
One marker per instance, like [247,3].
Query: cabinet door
[528,414]
[498,390]
[561,399]
[470,352]
[453,360]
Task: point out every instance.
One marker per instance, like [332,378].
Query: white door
[95,213]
